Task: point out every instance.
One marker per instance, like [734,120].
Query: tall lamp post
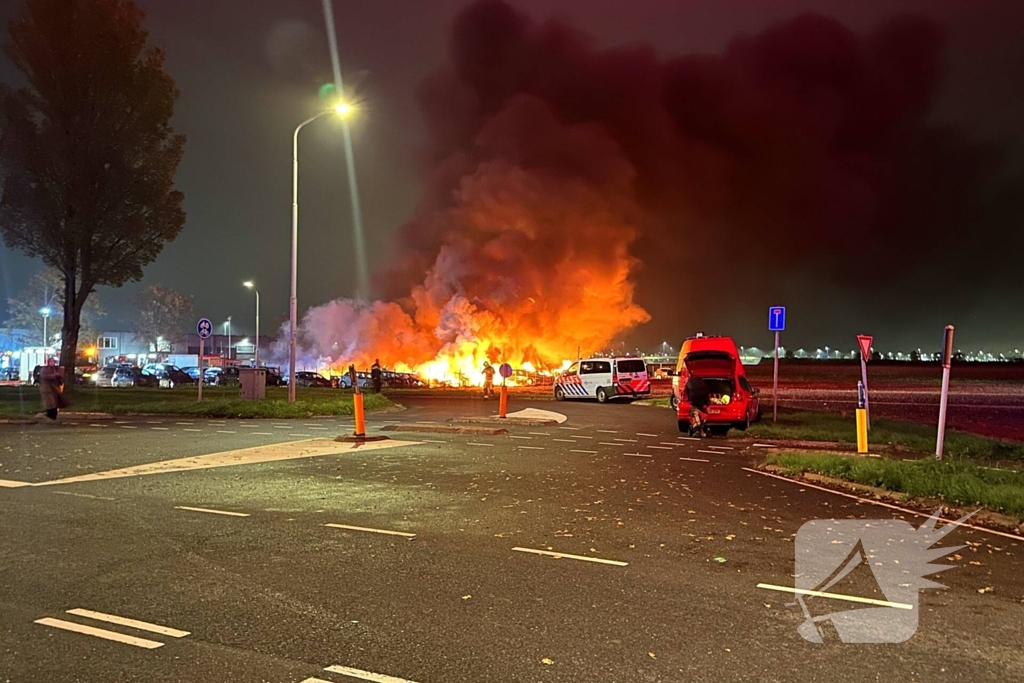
[45,312]
[252,285]
[227,328]
[342,109]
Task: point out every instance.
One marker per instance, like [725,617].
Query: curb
[444,429]
[350,438]
[525,422]
[18,421]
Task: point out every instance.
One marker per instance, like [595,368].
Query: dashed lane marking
[638,455]
[130,623]
[474,443]
[246,424]
[322,428]
[262,433]
[608,443]
[99,633]
[98,425]
[582,558]
[154,422]
[709,452]
[669,443]
[539,433]
[520,437]
[625,440]
[81,495]
[764,445]
[531,448]
[564,440]
[184,423]
[645,434]
[695,459]
[281,427]
[688,438]
[432,441]
[836,596]
[365,675]
[191,430]
[386,532]
[302,435]
[722,448]
[572,428]
[212,512]
[661,448]
[161,429]
[225,431]
[608,431]
[576,450]
[128,427]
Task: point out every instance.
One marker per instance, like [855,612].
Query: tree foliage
[161,312]
[86,148]
[45,289]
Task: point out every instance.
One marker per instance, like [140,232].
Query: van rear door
[631,376]
[710,364]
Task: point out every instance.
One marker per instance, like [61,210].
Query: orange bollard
[503,407]
[357,401]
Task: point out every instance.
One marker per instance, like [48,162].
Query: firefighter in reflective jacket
[488,379]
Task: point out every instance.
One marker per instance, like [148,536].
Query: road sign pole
[947,359]
[775,383]
[201,373]
[864,381]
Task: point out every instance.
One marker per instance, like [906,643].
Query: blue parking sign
[204,328]
[776,318]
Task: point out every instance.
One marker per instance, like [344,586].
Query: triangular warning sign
[865,345]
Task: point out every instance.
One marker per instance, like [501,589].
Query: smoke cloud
[572,192]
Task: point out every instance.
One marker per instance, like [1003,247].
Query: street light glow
[343,109]
[44,311]
[248,284]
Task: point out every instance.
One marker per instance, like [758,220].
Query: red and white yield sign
[865,346]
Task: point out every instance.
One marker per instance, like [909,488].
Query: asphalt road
[271,594]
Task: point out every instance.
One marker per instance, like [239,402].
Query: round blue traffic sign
[204,328]
[505,370]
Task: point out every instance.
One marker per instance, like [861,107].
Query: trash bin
[253,382]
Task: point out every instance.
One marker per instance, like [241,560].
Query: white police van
[604,379]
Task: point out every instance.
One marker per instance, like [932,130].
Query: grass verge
[962,484]
[16,402]
[809,426]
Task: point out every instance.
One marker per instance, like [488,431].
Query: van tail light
[615,377]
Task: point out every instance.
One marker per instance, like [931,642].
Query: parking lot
[606,547]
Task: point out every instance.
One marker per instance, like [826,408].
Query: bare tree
[161,312]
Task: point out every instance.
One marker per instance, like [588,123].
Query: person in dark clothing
[488,379]
[699,398]
[51,380]
[376,375]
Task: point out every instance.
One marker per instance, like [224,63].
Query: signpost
[505,370]
[776,324]
[204,328]
[947,359]
[865,353]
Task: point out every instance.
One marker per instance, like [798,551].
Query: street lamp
[252,285]
[342,109]
[45,312]
[227,328]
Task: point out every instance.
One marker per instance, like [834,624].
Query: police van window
[745,385]
[573,369]
[635,365]
[602,366]
[587,367]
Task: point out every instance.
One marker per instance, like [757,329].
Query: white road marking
[130,623]
[572,428]
[644,434]
[564,440]
[539,433]
[81,495]
[688,438]
[624,440]
[154,422]
[474,443]
[246,424]
[372,531]
[638,455]
[128,427]
[709,452]
[161,429]
[262,433]
[537,414]
[662,448]
[305,435]
[836,596]
[316,680]
[608,443]
[576,450]
[225,431]
[608,431]
[120,422]
[521,437]
[191,430]
[670,443]
[246,456]
[98,425]
[432,441]
[320,428]
[9,484]
[531,448]
[281,427]
[695,459]
[365,675]
[184,423]
[764,445]
[580,436]
[878,502]
[99,633]
[212,512]
[722,448]
[583,558]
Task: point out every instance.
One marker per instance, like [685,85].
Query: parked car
[123,376]
[311,379]
[192,371]
[84,373]
[716,360]
[345,381]
[604,379]
[275,378]
[168,375]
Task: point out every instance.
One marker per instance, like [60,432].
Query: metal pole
[775,384]
[228,323]
[947,359]
[257,327]
[864,380]
[45,335]
[201,372]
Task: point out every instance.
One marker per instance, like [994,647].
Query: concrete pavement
[438,564]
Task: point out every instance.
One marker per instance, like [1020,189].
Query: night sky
[941,240]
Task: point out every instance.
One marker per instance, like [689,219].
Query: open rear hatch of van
[710,364]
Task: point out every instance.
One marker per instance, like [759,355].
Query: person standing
[696,392]
[376,375]
[51,381]
[488,379]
